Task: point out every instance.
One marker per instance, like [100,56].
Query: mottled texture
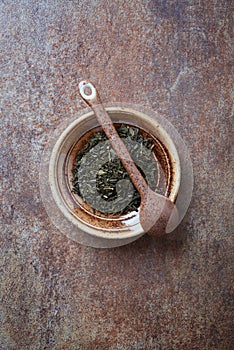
[169,293]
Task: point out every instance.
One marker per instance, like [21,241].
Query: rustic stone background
[172,293]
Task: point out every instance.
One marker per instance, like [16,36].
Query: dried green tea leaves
[100,178]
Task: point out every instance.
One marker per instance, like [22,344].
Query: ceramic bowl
[60,174]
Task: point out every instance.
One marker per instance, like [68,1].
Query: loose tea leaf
[111,181]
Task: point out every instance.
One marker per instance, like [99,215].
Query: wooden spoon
[157,213]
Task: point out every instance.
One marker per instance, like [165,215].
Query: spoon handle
[118,145]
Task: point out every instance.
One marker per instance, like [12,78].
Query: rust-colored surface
[168,293]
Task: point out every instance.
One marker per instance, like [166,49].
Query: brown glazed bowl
[126,227]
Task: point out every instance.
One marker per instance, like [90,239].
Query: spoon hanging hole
[87,90]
